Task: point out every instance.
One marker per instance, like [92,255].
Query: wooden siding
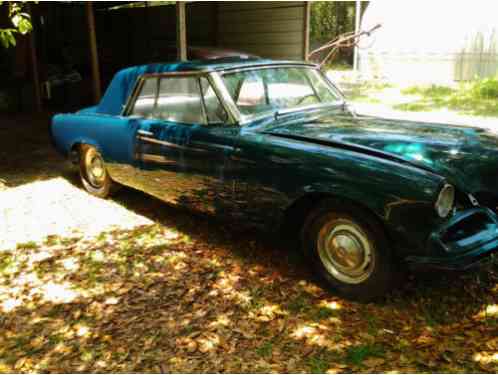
[268,29]
[141,35]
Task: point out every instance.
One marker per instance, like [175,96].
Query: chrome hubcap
[95,170]
[345,251]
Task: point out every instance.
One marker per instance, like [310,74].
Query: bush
[487,87]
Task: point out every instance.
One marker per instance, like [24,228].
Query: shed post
[181,31]
[34,65]
[92,37]
[357,30]
[306,30]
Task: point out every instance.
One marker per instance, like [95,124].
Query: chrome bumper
[467,240]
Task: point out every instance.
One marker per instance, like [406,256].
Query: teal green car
[272,144]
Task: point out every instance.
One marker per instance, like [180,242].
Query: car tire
[349,250]
[93,173]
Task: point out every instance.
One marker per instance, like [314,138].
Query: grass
[265,350]
[339,65]
[27,245]
[321,362]
[475,98]
[6,262]
[318,365]
[355,355]
[299,304]
[364,92]
[479,98]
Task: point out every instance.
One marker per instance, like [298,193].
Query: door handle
[145,132]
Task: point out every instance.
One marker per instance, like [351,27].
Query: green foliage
[299,304]
[331,18]
[265,350]
[357,354]
[433,90]
[476,98]
[21,22]
[487,87]
[318,365]
[321,362]
[363,92]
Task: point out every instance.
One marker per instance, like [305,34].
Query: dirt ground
[132,285]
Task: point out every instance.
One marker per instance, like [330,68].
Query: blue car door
[184,150]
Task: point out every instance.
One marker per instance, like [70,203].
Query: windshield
[260,91]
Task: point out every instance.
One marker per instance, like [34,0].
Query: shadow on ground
[177,292]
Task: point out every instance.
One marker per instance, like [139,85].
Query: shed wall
[268,29]
[134,36]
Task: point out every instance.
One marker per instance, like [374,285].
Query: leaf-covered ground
[133,285]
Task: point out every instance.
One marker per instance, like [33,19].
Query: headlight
[445,200]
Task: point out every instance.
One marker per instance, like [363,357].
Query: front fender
[407,222]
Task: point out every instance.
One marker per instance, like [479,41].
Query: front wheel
[349,250]
[93,173]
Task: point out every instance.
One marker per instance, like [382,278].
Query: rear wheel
[93,173]
[349,250]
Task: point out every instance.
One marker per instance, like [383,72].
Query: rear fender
[113,136]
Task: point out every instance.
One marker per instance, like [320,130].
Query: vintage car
[273,144]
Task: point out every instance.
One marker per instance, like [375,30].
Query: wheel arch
[295,214]
[74,150]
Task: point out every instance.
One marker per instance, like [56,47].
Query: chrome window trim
[132,97]
[224,96]
[267,66]
[333,86]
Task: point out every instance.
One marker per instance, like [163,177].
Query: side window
[215,112]
[321,87]
[144,105]
[289,87]
[247,90]
[252,91]
[179,100]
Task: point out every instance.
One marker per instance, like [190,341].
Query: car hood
[466,156]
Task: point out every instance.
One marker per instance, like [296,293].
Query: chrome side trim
[162,143]
[158,159]
[216,146]
[169,144]
[145,132]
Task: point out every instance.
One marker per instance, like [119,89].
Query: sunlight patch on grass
[267,312]
[71,264]
[10,304]
[312,333]
[478,98]
[490,311]
[331,305]
[58,293]
[40,209]
[486,358]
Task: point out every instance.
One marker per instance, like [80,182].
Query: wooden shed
[97,39]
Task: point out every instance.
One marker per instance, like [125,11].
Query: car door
[184,144]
